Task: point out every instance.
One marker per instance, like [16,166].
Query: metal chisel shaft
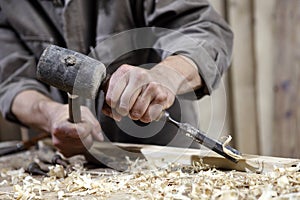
[202,138]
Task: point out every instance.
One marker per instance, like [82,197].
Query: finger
[128,98]
[70,147]
[83,129]
[88,142]
[106,110]
[135,97]
[98,136]
[114,93]
[140,106]
[162,99]
[137,79]
[152,92]
[152,113]
[65,129]
[96,128]
[117,84]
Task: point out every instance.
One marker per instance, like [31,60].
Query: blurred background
[263,83]
[257,101]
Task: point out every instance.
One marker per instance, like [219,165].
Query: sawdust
[174,182]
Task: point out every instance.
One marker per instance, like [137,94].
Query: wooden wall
[263,82]
[258,99]
[287,78]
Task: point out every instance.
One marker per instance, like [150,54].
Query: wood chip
[173,182]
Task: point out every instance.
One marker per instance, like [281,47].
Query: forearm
[30,108]
[179,73]
[194,29]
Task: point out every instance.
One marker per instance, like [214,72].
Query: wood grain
[242,76]
[287,79]
[162,156]
[264,75]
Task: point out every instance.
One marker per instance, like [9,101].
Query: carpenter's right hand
[138,93]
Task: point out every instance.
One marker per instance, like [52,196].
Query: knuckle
[152,87]
[161,97]
[124,68]
[111,101]
[140,75]
[137,76]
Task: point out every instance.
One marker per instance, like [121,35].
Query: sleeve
[17,69]
[194,29]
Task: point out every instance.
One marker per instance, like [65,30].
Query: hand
[43,114]
[143,94]
[139,93]
[69,138]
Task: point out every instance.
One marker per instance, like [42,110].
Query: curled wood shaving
[4,182]
[57,171]
[228,152]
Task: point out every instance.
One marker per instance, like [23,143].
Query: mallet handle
[74,108]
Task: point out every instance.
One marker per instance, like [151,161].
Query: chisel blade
[202,138]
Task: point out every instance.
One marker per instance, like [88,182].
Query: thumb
[98,135]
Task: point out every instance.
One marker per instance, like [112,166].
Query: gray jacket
[188,27]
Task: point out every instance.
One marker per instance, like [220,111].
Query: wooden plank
[162,156]
[287,79]
[264,54]
[242,76]
[219,5]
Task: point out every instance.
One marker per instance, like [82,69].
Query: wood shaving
[228,152]
[57,171]
[173,182]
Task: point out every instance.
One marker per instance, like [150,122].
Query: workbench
[169,173]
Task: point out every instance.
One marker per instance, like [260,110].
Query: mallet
[72,72]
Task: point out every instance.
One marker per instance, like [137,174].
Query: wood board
[242,77]
[162,156]
[287,79]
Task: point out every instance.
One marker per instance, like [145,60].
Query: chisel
[22,146]
[202,138]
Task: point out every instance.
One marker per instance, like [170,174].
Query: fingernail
[135,115]
[118,118]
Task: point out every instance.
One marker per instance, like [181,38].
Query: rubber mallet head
[71,71]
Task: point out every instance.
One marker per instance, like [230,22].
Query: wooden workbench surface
[147,180]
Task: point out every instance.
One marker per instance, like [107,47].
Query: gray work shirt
[165,27]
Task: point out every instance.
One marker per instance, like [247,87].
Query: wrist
[31,112]
[179,73]
[167,77]
[44,107]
